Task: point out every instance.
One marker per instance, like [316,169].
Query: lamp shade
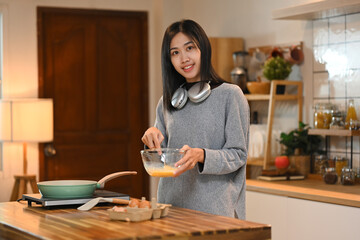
[26,120]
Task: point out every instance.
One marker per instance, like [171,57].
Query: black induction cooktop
[37,199]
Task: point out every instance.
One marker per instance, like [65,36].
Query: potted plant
[299,146]
[277,68]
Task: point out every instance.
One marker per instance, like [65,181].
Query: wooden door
[94,65]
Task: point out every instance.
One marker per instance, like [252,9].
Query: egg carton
[134,214]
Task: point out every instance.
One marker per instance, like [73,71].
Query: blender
[239,72]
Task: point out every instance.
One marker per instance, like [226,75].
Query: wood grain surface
[94,65]
[309,189]
[18,221]
[222,54]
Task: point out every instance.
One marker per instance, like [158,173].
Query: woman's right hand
[152,138]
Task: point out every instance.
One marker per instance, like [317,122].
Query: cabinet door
[298,219]
[268,209]
[316,220]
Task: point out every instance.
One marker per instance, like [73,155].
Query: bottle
[351,114]
[357,175]
[340,163]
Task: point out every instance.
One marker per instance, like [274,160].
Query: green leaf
[300,138]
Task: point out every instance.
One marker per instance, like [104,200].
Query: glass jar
[347,176]
[357,175]
[320,163]
[337,120]
[322,115]
[331,163]
[330,176]
[340,163]
[354,124]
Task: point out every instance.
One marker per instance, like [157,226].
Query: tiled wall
[336,72]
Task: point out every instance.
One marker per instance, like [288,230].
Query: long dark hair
[170,77]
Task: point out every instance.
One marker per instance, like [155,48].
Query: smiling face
[185,57]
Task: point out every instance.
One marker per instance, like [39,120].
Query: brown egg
[144,204]
[134,203]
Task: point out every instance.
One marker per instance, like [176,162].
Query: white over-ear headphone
[181,95]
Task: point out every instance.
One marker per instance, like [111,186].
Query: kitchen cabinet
[272,98]
[298,219]
[339,133]
[309,189]
[305,209]
[18,221]
[318,9]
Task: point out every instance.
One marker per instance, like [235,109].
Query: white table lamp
[26,120]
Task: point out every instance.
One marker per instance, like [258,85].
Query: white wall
[337,79]
[20,73]
[249,19]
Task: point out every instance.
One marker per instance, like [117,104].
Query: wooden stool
[20,186]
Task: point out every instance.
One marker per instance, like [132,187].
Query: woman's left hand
[191,157]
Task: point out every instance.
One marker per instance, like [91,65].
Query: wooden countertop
[309,189]
[18,221]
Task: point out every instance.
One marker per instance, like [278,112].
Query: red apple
[282,162]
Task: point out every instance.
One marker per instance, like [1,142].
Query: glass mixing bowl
[160,162]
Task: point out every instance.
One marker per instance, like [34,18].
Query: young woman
[208,118]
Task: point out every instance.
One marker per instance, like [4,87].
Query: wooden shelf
[268,160]
[266,97]
[283,48]
[317,10]
[257,97]
[259,161]
[334,132]
[255,161]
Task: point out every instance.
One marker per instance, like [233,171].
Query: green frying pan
[65,189]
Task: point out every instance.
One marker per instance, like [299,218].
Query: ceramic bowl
[258,87]
[160,162]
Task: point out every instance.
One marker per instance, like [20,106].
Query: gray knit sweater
[220,125]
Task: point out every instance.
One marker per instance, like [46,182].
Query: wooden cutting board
[222,50]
